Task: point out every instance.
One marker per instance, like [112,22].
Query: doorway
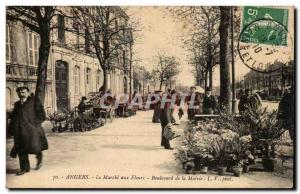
[61,85]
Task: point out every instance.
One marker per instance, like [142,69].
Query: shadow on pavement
[136,147]
[11,171]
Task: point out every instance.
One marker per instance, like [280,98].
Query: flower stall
[230,144]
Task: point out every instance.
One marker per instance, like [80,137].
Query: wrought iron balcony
[20,72]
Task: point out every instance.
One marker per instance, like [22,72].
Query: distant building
[73,71]
[270,84]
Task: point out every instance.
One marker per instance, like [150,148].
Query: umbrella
[199,89]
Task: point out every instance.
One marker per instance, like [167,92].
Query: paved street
[128,147]
[272,105]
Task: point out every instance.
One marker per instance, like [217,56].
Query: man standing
[165,119]
[245,101]
[29,137]
[82,106]
[190,101]
[209,103]
[286,112]
[156,107]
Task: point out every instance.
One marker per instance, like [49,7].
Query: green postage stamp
[264,25]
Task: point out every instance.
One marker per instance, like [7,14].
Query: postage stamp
[264,39]
[251,13]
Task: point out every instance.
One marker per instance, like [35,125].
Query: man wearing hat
[156,107]
[209,103]
[165,119]
[29,137]
[191,111]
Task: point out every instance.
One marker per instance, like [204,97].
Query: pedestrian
[29,137]
[82,121]
[178,102]
[173,120]
[256,101]
[165,120]
[240,93]
[245,101]
[190,102]
[198,109]
[286,112]
[156,107]
[82,105]
[209,103]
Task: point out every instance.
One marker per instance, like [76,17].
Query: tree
[107,31]
[225,92]
[203,43]
[167,68]
[39,20]
[141,76]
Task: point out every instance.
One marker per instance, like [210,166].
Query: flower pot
[203,170]
[197,163]
[229,169]
[246,168]
[221,170]
[189,167]
[188,171]
[237,171]
[268,164]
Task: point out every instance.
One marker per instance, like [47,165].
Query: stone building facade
[73,71]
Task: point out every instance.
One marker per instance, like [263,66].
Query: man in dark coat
[165,119]
[245,101]
[209,103]
[29,137]
[189,100]
[156,107]
[286,112]
[82,105]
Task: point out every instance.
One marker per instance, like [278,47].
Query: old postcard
[195,97]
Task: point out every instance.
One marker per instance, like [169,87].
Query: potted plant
[265,132]
[237,169]
[218,150]
[205,162]
[182,156]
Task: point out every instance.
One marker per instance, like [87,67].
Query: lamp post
[234,106]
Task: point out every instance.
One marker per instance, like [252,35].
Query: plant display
[214,145]
[265,129]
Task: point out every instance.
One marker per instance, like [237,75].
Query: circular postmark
[265,45]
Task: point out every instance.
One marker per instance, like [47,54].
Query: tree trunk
[44,51]
[105,84]
[224,58]
[160,84]
[209,66]
[205,80]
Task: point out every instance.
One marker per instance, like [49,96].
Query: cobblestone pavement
[125,153]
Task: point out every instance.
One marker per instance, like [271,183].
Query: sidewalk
[125,153]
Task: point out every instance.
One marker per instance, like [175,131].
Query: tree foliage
[166,68]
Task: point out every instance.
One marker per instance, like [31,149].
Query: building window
[76,26]
[8,44]
[33,52]
[61,28]
[98,77]
[87,41]
[76,75]
[88,75]
[8,99]
[32,72]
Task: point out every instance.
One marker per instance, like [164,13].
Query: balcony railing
[24,72]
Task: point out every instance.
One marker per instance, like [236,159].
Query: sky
[158,31]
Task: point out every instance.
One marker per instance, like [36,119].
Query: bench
[200,117]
